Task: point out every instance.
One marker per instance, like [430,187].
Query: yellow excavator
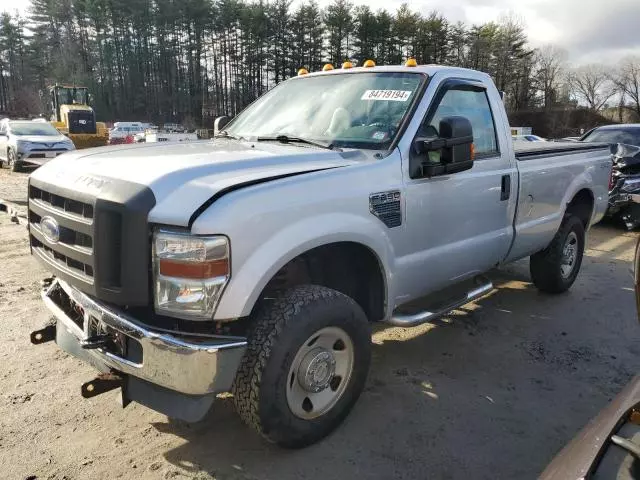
[73,117]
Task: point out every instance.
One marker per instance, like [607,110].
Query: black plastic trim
[552,151]
[121,258]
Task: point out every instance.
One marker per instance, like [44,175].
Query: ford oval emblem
[50,229]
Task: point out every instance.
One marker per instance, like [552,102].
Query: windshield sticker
[379,135]
[392,95]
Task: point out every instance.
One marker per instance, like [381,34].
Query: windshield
[69,96]
[362,110]
[628,136]
[33,128]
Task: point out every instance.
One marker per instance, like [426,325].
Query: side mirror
[220,123]
[455,143]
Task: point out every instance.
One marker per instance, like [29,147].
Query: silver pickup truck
[256,263]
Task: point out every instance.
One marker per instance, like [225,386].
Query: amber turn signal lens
[191,270]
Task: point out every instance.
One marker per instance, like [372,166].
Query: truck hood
[184,176]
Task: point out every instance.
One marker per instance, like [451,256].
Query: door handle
[505,192]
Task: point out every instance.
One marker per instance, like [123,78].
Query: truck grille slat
[73,251]
[67,205]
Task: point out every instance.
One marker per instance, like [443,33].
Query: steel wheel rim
[569,255]
[320,373]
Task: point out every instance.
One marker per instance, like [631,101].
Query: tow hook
[105,382]
[97,341]
[44,335]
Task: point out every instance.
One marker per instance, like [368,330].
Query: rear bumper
[184,364]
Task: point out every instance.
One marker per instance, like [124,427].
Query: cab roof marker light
[411,62]
[302,71]
[347,64]
[369,64]
[327,67]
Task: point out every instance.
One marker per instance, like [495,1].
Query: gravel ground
[492,391]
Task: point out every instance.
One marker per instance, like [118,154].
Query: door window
[473,104]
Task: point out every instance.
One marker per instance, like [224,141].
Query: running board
[411,320]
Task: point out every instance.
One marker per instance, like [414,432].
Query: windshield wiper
[288,139]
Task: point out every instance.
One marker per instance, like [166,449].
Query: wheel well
[348,267]
[582,206]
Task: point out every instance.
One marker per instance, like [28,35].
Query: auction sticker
[379,135]
[392,95]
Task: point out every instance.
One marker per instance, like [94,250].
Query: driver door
[459,225]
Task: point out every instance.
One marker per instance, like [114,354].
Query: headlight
[190,273]
[22,143]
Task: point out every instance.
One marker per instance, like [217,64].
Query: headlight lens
[190,273]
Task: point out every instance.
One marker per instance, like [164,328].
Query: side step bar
[411,320]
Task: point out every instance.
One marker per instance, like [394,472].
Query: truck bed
[550,175]
[531,150]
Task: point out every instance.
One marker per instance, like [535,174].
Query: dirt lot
[492,391]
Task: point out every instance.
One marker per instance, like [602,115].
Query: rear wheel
[305,366]
[12,162]
[554,269]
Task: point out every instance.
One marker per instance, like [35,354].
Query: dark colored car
[609,446]
[625,173]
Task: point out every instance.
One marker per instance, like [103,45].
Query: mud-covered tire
[278,331]
[546,266]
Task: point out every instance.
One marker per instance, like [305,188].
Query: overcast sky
[590,30]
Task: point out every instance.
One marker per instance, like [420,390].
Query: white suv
[30,142]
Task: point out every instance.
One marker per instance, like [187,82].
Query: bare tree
[592,85]
[628,82]
[550,65]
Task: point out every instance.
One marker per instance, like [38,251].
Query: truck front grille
[98,243]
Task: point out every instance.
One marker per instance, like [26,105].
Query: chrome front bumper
[186,364]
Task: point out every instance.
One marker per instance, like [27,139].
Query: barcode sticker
[392,95]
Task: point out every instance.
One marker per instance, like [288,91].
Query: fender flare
[245,286]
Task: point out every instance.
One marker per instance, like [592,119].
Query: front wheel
[554,269]
[306,364]
[12,162]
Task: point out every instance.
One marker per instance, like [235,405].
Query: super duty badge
[386,206]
